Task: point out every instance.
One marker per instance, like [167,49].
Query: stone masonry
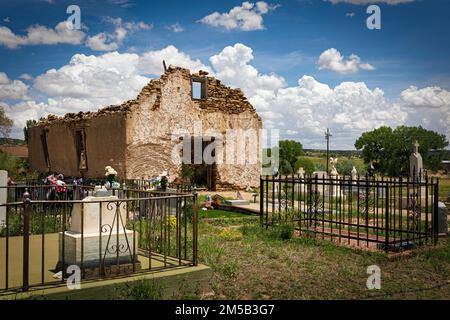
[136,137]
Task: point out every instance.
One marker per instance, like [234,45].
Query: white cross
[301,171]
[416,147]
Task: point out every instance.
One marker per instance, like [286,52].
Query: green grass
[271,264]
[444,188]
[220,214]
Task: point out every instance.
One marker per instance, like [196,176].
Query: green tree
[345,167]
[26,129]
[289,153]
[5,123]
[306,164]
[389,150]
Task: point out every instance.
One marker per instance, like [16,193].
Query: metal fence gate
[388,214]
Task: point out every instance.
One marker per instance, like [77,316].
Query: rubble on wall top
[220,98]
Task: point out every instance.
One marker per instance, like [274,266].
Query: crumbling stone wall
[166,105]
[136,137]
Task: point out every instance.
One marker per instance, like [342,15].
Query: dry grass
[259,265]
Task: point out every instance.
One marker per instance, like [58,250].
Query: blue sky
[411,49]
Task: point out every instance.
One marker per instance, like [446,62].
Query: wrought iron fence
[145,184]
[46,192]
[136,232]
[386,213]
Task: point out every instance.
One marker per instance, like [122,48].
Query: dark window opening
[198,86]
[81,150]
[45,148]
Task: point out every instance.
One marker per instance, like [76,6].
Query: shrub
[283,231]
[286,231]
[345,167]
[306,164]
[319,166]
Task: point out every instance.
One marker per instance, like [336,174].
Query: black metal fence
[133,184]
[46,192]
[139,231]
[386,213]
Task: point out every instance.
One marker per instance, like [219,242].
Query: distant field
[323,160]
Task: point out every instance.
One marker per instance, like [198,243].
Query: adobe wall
[104,138]
[165,105]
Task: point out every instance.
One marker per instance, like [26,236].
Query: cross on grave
[415,163]
[301,172]
[416,146]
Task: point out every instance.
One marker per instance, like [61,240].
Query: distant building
[14,150]
[136,137]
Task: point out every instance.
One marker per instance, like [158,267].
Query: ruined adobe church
[136,137]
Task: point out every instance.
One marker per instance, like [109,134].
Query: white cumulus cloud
[104,41]
[12,89]
[246,17]
[300,111]
[26,76]
[332,59]
[64,33]
[435,97]
[105,79]
[151,62]
[37,34]
[232,66]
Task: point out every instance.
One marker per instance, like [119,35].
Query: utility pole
[327,137]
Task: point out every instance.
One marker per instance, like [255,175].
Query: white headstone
[85,246]
[300,186]
[354,173]
[91,214]
[415,163]
[3,194]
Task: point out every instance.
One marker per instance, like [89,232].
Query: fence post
[436,213]
[26,240]
[386,236]
[195,229]
[261,197]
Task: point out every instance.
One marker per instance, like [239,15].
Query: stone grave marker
[116,240]
[415,163]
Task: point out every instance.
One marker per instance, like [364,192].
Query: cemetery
[121,230]
[127,215]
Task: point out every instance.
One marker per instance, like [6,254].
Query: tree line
[384,149]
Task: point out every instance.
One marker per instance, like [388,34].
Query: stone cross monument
[415,163]
[333,163]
